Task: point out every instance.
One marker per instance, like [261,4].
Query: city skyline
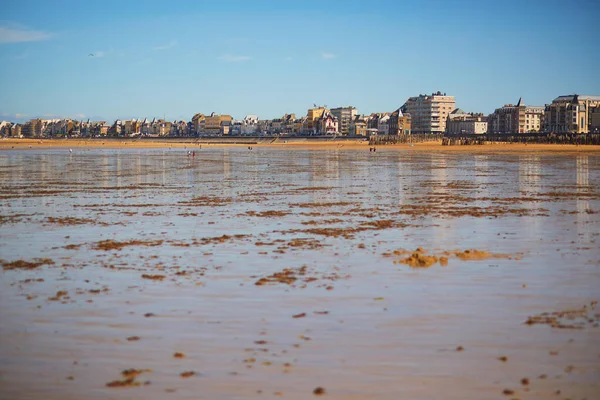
[124,60]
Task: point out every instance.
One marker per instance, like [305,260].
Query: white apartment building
[429,112]
[249,125]
[345,116]
[460,122]
[383,125]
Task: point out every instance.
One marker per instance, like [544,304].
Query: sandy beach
[191,143]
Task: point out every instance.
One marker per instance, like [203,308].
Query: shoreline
[8,144]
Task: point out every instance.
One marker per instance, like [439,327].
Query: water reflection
[582,180]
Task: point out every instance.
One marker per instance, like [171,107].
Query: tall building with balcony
[32,128]
[514,119]
[573,114]
[429,112]
[344,115]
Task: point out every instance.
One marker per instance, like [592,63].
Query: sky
[125,59]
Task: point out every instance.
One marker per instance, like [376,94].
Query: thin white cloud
[17,115]
[20,56]
[232,58]
[166,46]
[97,54]
[288,58]
[13,33]
[327,56]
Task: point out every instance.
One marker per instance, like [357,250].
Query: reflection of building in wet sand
[482,171]
[582,179]
[439,172]
[326,173]
[582,171]
[530,173]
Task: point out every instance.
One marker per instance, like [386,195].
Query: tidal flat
[299,273]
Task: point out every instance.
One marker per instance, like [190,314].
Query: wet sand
[237,274]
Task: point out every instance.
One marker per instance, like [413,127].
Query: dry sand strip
[190,143]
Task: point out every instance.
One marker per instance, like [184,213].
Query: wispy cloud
[13,33]
[288,58]
[232,58]
[166,46]
[327,56]
[13,117]
[97,54]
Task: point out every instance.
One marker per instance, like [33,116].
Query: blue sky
[175,58]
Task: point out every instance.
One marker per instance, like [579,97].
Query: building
[460,122]
[287,123]
[429,112]
[515,119]
[197,119]
[383,124]
[327,124]
[298,125]
[595,120]
[345,116]
[358,126]
[5,128]
[573,114]
[249,125]
[236,128]
[399,123]
[313,115]
[16,130]
[213,123]
[32,128]
[179,128]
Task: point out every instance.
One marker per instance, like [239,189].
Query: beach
[298,143]
[131,269]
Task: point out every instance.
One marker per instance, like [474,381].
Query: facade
[213,123]
[460,122]
[313,115]
[573,114]
[429,112]
[298,125]
[249,125]
[32,128]
[399,123]
[595,120]
[515,119]
[383,125]
[179,128]
[197,119]
[327,124]
[358,126]
[236,128]
[345,116]
[374,122]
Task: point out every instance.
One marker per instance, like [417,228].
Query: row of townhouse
[145,127]
[434,113]
[566,114]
